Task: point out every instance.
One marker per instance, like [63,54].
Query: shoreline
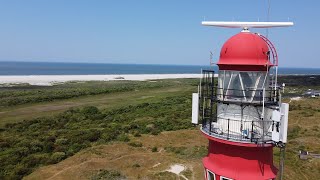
[49,80]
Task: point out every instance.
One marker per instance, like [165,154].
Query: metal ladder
[272,48]
[207,98]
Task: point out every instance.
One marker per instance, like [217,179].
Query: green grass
[184,152]
[303,134]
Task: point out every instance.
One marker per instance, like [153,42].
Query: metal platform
[253,134]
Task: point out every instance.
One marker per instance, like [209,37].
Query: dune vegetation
[87,120]
[45,140]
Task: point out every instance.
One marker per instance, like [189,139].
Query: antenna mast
[268,17]
[211,57]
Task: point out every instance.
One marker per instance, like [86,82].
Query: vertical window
[210,175]
[224,178]
[242,85]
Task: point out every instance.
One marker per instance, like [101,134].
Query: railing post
[260,95]
[251,131]
[203,113]
[228,127]
[210,121]
[263,124]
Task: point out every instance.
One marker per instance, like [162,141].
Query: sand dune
[46,80]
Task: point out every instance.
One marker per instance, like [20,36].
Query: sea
[61,68]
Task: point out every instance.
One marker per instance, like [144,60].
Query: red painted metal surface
[240,162]
[245,51]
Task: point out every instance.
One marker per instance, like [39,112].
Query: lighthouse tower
[241,113]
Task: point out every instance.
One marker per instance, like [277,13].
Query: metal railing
[256,131]
[255,96]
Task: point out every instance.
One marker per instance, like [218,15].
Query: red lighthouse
[241,113]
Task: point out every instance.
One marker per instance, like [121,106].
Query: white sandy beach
[45,80]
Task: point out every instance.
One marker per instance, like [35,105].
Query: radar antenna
[246,25]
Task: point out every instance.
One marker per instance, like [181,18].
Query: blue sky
[149,31]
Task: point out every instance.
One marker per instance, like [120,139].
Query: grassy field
[304,134]
[184,147]
[128,93]
[127,130]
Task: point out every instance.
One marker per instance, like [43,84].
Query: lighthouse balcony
[248,96]
[233,129]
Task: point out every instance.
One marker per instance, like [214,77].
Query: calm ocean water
[45,68]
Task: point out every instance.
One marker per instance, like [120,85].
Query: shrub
[61,141]
[294,131]
[136,134]
[135,144]
[155,131]
[57,157]
[136,165]
[123,137]
[108,174]
[154,149]
[35,159]
[90,110]
[315,128]
[21,170]
[76,147]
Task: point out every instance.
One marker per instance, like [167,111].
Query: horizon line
[79,62]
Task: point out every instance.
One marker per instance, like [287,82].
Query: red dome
[245,52]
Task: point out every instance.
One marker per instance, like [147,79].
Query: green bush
[57,157]
[61,141]
[136,134]
[135,144]
[108,174]
[123,137]
[154,149]
[90,110]
[293,132]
